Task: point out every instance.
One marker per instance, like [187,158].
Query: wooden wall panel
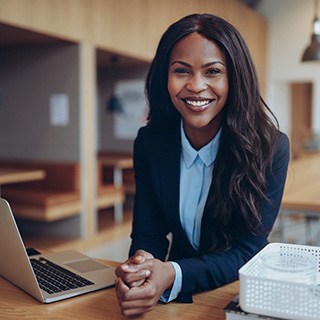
[138,26]
[132,27]
[254,29]
[68,19]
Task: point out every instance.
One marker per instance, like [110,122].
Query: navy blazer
[156,213]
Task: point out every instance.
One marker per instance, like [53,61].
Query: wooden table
[14,175]
[302,192]
[15,304]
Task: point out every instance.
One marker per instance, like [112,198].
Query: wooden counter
[302,195]
[103,304]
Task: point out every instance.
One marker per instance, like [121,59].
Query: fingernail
[148,272]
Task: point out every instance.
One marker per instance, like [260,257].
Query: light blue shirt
[195,179]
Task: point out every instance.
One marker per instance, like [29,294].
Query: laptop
[47,277]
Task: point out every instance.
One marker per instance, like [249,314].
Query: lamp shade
[312,52]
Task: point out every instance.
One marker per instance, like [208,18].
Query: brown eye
[181,70]
[213,71]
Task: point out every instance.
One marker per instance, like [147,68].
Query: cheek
[225,92]
[226,87]
[173,88]
[222,89]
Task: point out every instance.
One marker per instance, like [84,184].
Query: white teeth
[197,103]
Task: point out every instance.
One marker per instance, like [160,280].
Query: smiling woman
[210,167]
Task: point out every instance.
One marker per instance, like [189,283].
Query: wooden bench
[57,196]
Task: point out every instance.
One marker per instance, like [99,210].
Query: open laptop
[71,272]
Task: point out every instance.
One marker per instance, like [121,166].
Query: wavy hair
[249,130]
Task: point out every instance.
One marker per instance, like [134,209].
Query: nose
[196,83]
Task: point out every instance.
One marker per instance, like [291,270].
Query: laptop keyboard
[53,278]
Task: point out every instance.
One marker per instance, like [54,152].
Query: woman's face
[198,86]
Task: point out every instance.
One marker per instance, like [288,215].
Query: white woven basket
[280,298]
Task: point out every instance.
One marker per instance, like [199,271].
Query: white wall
[28,77]
[290,28]
[107,141]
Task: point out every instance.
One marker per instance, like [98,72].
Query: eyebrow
[203,66]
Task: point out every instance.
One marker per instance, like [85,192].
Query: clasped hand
[140,282]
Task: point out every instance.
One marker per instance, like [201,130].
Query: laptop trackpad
[86,265]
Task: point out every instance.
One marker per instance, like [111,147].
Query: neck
[199,139]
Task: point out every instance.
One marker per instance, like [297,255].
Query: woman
[210,168]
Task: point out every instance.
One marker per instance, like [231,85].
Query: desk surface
[302,189]
[13,175]
[103,304]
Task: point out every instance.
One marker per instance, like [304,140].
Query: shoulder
[144,132]
[152,138]
[283,146]
[281,155]
[146,137]
[152,146]
[283,142]
[151,131]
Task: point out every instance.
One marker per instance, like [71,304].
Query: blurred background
[72,99]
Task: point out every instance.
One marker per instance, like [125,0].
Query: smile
[197,103]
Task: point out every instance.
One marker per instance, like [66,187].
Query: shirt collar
[207,153]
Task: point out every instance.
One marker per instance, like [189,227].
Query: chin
[200,124]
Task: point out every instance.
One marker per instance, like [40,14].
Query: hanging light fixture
[312,52]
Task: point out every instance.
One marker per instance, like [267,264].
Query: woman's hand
[136,299]
[133,272]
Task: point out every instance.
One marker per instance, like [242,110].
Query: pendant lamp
[312,52]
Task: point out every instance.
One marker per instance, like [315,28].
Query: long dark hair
[249,130]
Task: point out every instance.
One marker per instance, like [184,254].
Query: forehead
[195,47]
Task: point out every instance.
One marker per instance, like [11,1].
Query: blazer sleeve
[149,229]
[213,270]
